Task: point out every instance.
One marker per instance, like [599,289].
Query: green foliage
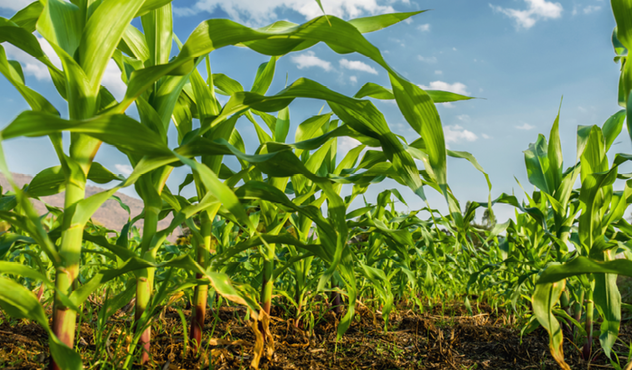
[276,230]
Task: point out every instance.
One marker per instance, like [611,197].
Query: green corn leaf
[584,265]
[538,166]
[134,44]
[373,90]
[27,17]
[470,158]
[378,22]
[219,190]
[282,126]
[61,24]
[149,5]
[608,302]
[208,106]
[621,10]
[382,285]
[544,299]
[13,73]
[22,39]
[23,270]
[421,114]
[18,302]
[119,130]
[612,128]
[265,74]
[158,28]
[556,159]
[52,180]
[102,34]
[619,49]
[226,85]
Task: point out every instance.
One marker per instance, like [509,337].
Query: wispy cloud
[309,59]
[14,4]
[485,136]
[525,126]
[353,79]
[112,80]
[427,59]
[438,72]
[345,144]
[586,10]
[424,27]
[258,12]
[591,9]
[185,12]
[463,117]
[30,65]
[536,10]
[457,87]
[456,133]
[357,66]
[124,169]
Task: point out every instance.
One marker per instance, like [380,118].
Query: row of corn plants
[276,232]
[166,86]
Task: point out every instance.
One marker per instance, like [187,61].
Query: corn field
[273,239]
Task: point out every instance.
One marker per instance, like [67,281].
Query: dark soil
[430,340]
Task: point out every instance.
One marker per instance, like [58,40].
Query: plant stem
[201,291]
[145,280]
[578,310]
[267,285]
[565,305]
[590,308]
[64,318]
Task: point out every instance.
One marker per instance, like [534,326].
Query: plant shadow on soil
[414,340]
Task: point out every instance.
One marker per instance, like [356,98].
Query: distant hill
[110,215]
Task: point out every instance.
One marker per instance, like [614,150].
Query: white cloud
[30,65]
[353,79]
[525,126]
[536,10]
[346,143]
[14,4]
[124,169]
[438,72]
[424,27]
[258,12]
[184,12]
[427,59]
[456,133]
[457,87]
[485,136]
[357,65]
[463,117]
[112,80]
[309,59]
[591,9]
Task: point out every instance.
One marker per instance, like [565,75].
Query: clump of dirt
[430,340]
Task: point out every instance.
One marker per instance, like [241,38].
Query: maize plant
[86,37]
[276,227]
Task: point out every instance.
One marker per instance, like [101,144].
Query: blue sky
[519,56]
